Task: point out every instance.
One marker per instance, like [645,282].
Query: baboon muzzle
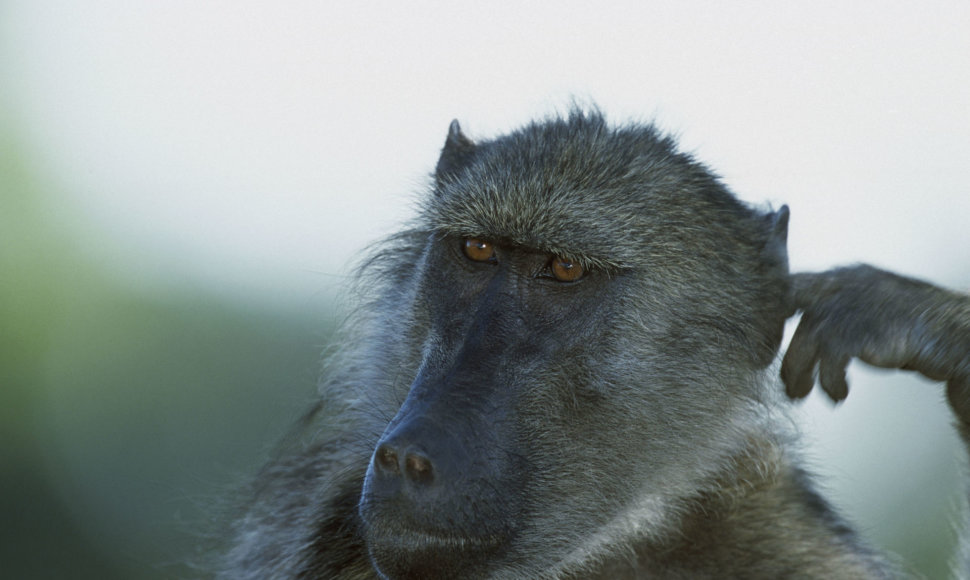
[438,482]
[431,489]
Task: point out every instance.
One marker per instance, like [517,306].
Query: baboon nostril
[418,468]
[386,458]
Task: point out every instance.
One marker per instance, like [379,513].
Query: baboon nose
[412,463]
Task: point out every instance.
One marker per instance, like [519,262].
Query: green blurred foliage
[126,419]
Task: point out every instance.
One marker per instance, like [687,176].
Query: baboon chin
[564,369]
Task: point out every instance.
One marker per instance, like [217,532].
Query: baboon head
[579,321]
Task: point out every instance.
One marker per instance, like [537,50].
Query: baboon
[565,368]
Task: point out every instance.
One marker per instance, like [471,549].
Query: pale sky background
[252,147]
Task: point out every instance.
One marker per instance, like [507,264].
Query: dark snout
[438,495]
[435,465]
[442,491]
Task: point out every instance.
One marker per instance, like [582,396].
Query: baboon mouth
[409,554]
[416,540]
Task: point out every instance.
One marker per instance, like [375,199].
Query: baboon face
[585,318]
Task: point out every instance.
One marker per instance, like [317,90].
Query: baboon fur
[482,419]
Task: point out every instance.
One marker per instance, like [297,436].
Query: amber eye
[566,270]
[479,250]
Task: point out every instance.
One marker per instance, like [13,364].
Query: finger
[798,365]
[958,395]
[831,375]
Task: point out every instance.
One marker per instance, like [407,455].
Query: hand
[883,319]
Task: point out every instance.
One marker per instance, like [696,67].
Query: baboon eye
[479,250]
[566,270]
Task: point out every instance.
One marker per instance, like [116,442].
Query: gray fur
[624,426]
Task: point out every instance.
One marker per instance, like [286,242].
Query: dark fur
[624,426]
[888,321]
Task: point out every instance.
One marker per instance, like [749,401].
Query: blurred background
[184,184]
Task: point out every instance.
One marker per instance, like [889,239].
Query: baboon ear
[776,246]
[774,305]
[775,253]
[456,154]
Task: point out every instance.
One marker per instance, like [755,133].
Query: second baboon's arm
[883,319]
